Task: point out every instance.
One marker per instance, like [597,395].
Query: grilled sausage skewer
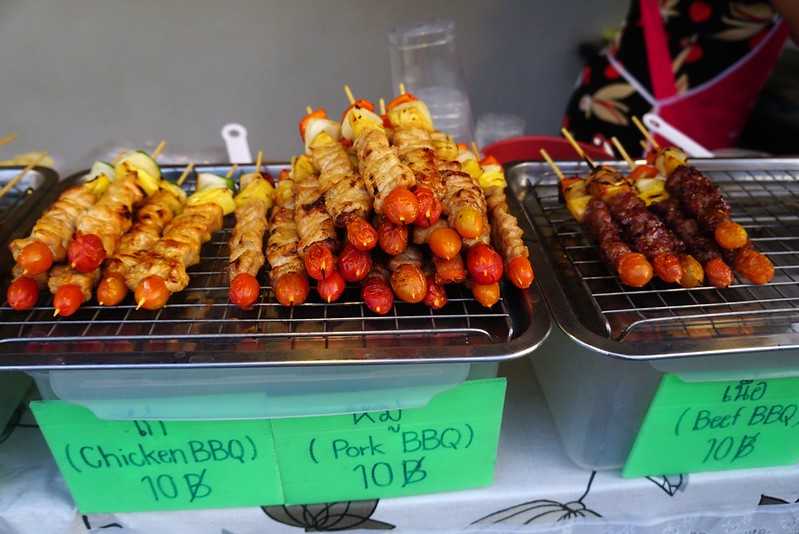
[633,268]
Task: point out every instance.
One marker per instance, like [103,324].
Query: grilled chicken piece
[380,167]
[247,239]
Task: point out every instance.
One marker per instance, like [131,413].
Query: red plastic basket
[527,147]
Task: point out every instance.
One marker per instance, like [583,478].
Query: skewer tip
[348,92]
[402,88]
[140,304]
[382,106]
[158,149]
[56,312]
[308,110]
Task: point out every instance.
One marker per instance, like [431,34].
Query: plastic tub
[185,394]
[598,402]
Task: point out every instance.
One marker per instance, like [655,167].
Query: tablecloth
[536,489]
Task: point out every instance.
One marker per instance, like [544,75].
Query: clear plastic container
[424,57]
[254,393]
[493,127]
[598,402]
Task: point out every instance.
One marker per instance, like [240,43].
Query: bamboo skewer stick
[402,88]
[185,174]
[232,170]
[577,148]
[646,133]
[476,150]
[258,160]
[620,149]
[382,106]
[160,148]
[552,165]
[308,110]
[15,180]
[348,92]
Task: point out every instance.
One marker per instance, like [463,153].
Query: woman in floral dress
[699,64]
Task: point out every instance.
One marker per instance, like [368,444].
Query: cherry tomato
[450,271]
[67,300]
[404,98]
[520,272]
[486,294]
[291,289]
[85,253]
[23,293]
[361,234]
[35,258]
[393,238]
[111,290]
[643,171]
[401,206]
[151,293]
[377,296]
[756,267]
[445,243]
[409,283]
[489,160]
[354,264]
[430,207]
[318,114]
[244,290]
[436,296]
[319,261]
[484,264]
[331,288]
[718,273]
[469,222]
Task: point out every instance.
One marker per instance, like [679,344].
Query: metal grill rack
[199,327]
[662,320]
[31,189]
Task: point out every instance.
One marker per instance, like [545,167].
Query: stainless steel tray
[665,321]
[23,197]
[199,328]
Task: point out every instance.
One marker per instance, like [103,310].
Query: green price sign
[134,466]
[449,444]
[130,466]
[713,426]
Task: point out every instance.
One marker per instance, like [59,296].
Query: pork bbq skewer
[387,179]
[287,269]
[346,198]
[632,268]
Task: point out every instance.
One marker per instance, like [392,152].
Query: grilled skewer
[633,268]
[287,270]
[318,238]
[387,179]
[246,242]
[346,198]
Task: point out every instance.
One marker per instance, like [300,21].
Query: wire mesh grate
[201,317]
[766,203]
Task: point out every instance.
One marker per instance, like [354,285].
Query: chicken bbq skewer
[48,240]
[151,218]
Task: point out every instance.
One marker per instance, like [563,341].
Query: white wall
[80,75]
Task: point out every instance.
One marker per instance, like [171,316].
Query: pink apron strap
[657,51]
